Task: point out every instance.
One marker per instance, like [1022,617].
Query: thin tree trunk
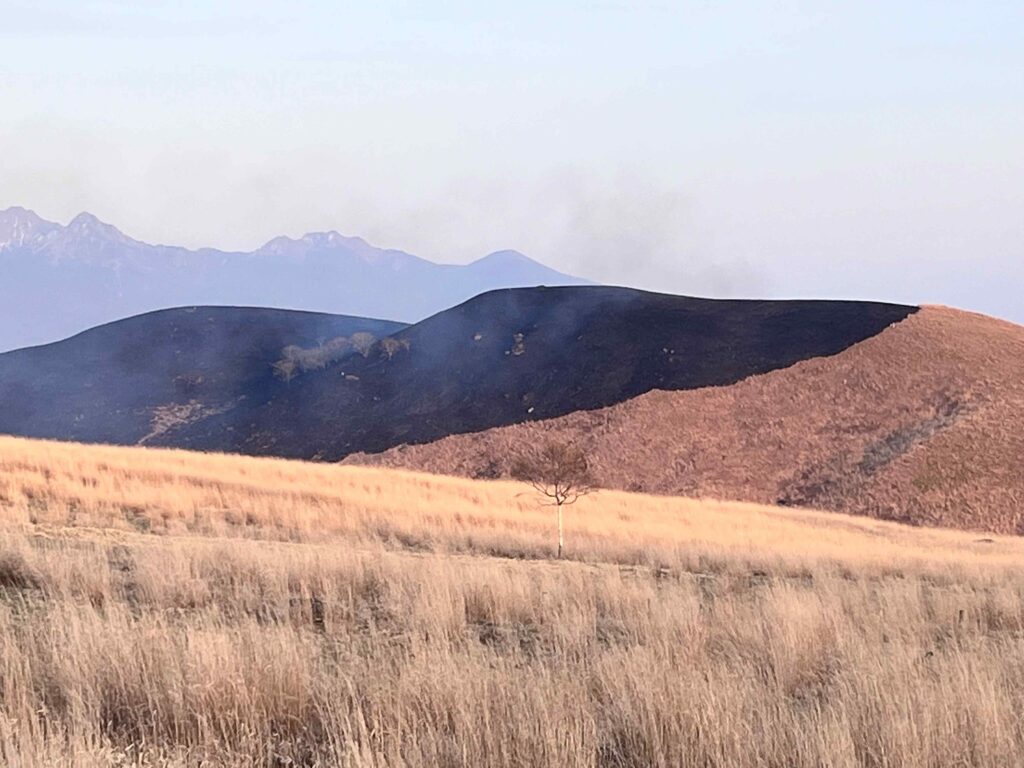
[561,537]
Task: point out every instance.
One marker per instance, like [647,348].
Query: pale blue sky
[867,150]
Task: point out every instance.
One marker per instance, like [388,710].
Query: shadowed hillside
[527,354]
[501,358]
[133,380]
[924,423]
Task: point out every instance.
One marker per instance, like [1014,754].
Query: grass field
[170,609]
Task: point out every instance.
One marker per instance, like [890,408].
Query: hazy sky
[855,149]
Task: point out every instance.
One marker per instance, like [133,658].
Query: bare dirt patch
[174,415]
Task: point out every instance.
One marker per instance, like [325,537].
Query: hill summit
[289,384]
[922,423]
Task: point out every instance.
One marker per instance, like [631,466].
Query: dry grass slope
[169,609]
[923,423]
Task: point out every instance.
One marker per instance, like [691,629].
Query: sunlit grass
[172,609]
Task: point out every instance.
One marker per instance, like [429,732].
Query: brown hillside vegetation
[923,423]
[160,608]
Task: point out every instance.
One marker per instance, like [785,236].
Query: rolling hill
[133,380]
[922,423]
[871,409]
[101,275]
[501,358]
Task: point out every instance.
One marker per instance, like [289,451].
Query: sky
[756,149]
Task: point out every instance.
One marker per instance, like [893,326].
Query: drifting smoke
[619,230]
[629,231]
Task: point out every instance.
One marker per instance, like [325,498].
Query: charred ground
[121,382]
[501,358]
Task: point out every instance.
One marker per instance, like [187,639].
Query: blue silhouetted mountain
[58,280]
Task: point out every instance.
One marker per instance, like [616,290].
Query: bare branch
[558,472]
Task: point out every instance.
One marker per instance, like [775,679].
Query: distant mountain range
[59,280]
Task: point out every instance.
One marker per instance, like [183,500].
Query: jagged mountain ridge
[59,280]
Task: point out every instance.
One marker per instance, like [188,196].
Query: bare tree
[559,472]
[391,346]
[286,369]
[363,342]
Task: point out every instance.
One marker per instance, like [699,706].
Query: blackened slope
[523,354]
[104,384]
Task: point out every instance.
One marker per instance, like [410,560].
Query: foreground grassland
[167,609]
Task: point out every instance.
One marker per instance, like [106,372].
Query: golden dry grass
[178,492]
[172,609]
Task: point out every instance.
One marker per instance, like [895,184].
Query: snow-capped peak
[84,220]
[20,227]
[87,225]
[339,248]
